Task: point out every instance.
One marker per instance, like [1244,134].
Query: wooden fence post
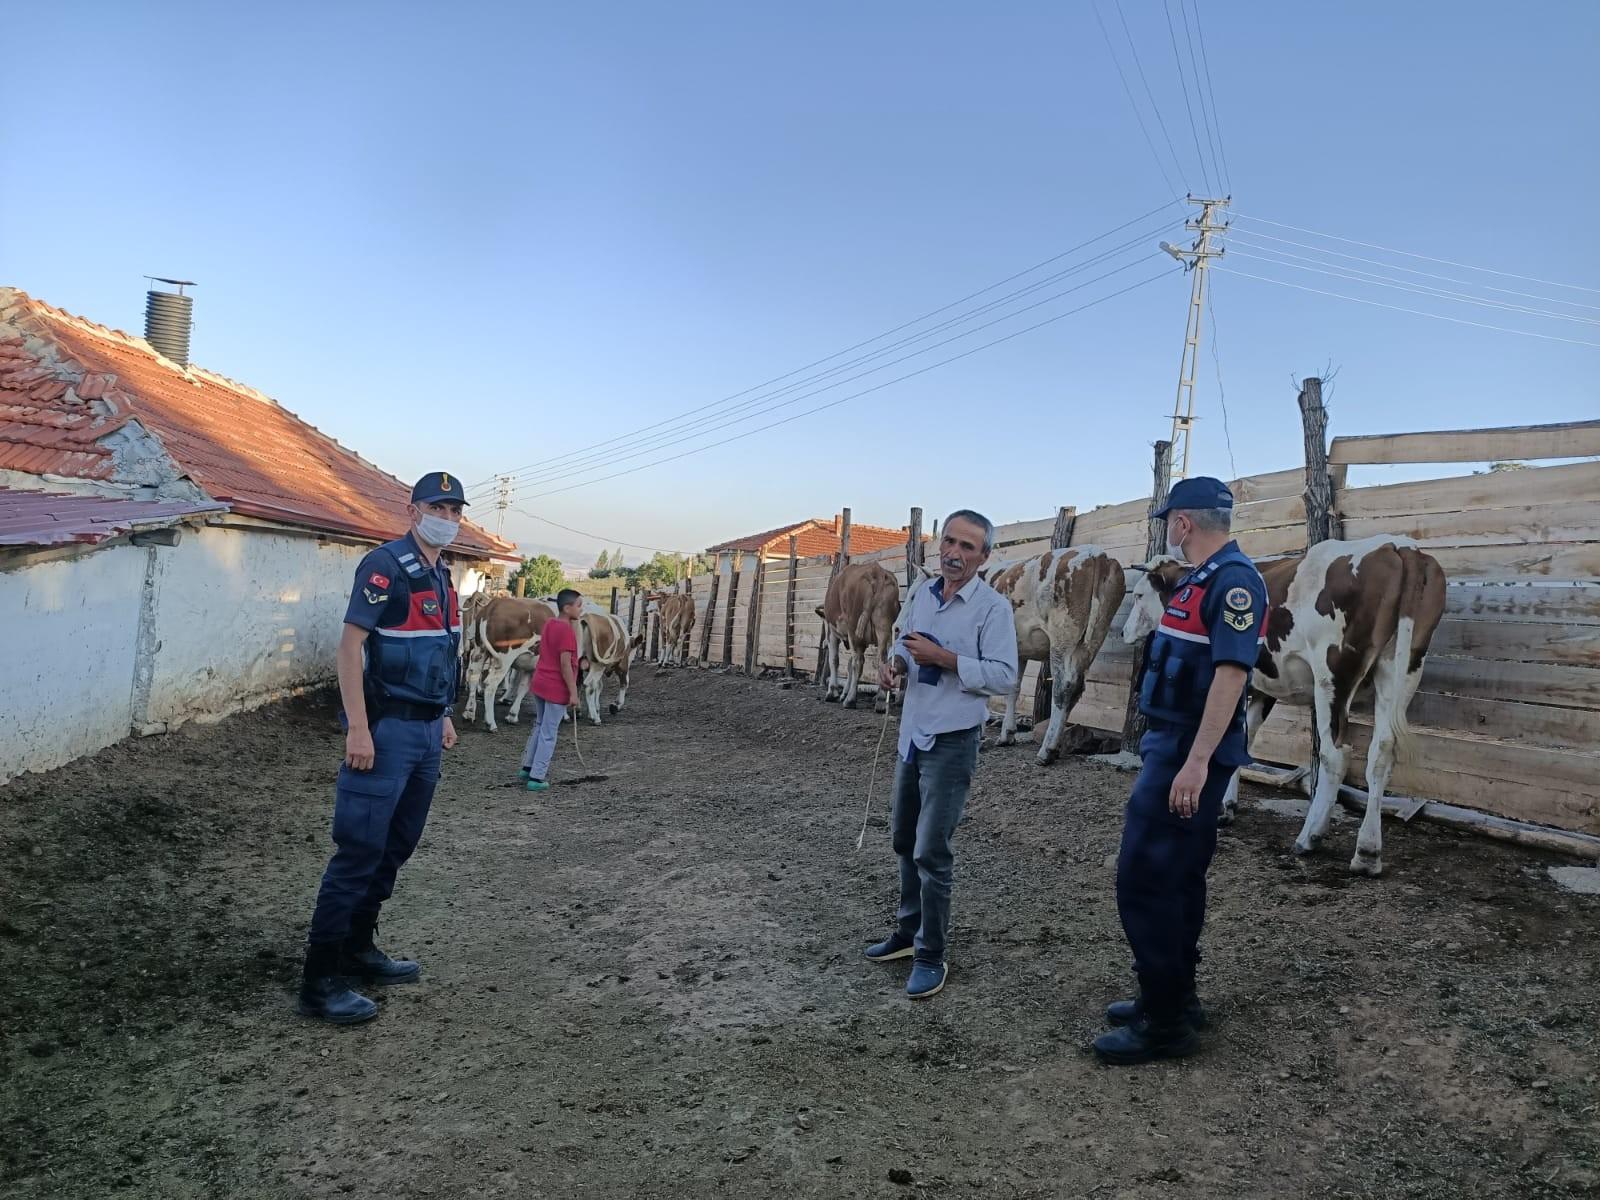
[1155,543]
[788,606]
[687,647]
[752,623]
[652,622]
[711,616]
[614,594]
[735,565]
[633,613]
[914,550]
[1322,522]
[1044,685]
[840,561]
[518,585]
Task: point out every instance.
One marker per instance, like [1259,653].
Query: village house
[817,535]
[174,545]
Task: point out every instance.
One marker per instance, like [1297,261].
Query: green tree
[541,576]
[602,566]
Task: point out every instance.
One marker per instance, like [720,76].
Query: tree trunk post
[711,616]
[1133,725]
[788,606]
[615,593]
[914,550]
[1322,523]
[840,561]
[519,585]
[1044,685]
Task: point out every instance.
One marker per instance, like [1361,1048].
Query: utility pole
[1195,259]
[502,501]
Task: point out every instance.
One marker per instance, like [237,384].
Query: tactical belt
[404,710]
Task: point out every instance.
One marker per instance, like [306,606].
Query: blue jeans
[378,817]
[930,793]
[541,747]
[1161,879]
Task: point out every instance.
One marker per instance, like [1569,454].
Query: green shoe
[537,785]
[522,774]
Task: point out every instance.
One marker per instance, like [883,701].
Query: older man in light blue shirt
[958,647]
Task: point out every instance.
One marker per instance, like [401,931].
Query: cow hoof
[1045,757]
[1304,846]
[830,699]
[613,709]
[1225,817]
[1368,864]
[849,703]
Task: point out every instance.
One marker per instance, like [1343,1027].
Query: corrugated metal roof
[66,382]
[53,519]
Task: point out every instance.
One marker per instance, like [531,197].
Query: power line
[772,401]
[848,349]
[1222,396]
[1128,91]
[610,460]
[1549,337]
[597,537]
[1378,262]
[1206,61]
[1421,289]
[1184,84]
[865,391]
[1149,95]
[1194,67]
[1424,257]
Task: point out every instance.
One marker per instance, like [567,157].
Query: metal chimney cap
[182,283]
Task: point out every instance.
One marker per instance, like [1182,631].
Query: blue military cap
[1200,492]
[438,485]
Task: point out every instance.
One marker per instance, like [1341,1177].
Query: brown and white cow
[1064,602]
[604,641]
[1341,616]
[503,639]
[858,612]
[676,613]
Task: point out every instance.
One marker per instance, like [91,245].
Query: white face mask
[436,531]
[1175,549]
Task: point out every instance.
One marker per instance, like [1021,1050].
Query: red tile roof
[52,519]
[66,382]
[815,536]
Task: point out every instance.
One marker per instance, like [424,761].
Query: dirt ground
[650,985]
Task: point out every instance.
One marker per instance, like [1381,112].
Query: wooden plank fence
[1508,715]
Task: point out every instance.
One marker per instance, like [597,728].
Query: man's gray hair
[978,519]
[1214,520]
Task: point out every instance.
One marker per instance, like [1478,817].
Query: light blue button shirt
[977,626]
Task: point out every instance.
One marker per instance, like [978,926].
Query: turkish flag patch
[380,580]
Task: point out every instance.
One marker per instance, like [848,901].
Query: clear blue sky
[477,236]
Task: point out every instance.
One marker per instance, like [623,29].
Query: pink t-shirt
[555,639]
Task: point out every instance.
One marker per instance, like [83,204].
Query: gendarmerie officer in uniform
[397,677]
[1193,693]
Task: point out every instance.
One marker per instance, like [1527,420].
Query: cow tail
[1422,588]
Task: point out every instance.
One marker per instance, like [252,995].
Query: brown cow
[604,641]
[1341,616]
[859,610]
[676,613]
[502,640]
[1064,602]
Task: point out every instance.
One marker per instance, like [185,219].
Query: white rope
[872,780]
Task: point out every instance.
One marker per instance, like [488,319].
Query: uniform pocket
[363,803]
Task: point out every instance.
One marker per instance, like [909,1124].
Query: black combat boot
[1126,1012]
[362,959]
[326,994]
[1146,1040]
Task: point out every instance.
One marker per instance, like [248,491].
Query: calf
[1064,602]
[859,611]
[1341,616]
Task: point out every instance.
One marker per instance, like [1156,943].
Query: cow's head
[1158,579]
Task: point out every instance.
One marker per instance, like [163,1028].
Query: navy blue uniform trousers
[1161,875]
[378,817]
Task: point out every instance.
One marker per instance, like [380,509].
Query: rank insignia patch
[374,597]
[430,606]
[1240,621]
